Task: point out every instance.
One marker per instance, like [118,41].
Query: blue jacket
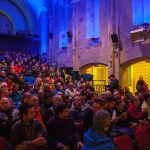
[93,141]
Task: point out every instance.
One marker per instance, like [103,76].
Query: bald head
[4,103]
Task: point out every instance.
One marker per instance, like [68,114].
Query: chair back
[123,143]
[2,143]
[142,137]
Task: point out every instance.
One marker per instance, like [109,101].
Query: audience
[39,90]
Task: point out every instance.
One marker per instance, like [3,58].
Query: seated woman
[121,114]
[96,137]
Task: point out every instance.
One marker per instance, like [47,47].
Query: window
[93,19]
[141,11]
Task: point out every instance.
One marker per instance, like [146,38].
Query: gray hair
[101,120]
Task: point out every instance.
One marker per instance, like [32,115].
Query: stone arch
[131,70]
[10,20]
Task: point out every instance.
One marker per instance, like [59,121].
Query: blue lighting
[44,32]
[63,18]
[93,19]
[141,11]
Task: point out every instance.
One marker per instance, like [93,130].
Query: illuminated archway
[100,75]
[133,69]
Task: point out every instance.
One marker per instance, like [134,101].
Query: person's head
[48,97]
[116,95]
[71,86]
[112,77]
[58,85]
[110,102]
[57,99]
[38,80]
[91,96]
[40,94]
[21,78]
[83,95]
[62,110]
[140,77]
[101,120]
[107,94]
[120,105]
[127,89]
[10,79]
[146,97]
[77,103]
[36,87]
[34,100]
[4,103]
[27,111]
[46,87]
[15,88]
[3,74]
[3,89]
[84,86]
[97,105]
[135,101]
[26,96]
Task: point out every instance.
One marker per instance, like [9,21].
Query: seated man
[76,111]
[135,113]
[89,113]
[28,134]
[61,130]
[7,117]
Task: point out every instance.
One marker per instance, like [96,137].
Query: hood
[92,138]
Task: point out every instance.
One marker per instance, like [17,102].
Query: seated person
[146,104]
[76,112]
[135,114]
[61,130]
[28,134]
[8,116]
[121,114]
[96,138]
[110,107]
[39,112]
[89,113]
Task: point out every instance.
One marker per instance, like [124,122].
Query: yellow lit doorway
[141,68]
[100,76]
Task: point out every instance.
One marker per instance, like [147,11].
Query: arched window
[6,25]
[140,11]
[63,25]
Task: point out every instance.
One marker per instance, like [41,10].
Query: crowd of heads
[35,90]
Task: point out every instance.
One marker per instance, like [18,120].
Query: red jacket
[135,113]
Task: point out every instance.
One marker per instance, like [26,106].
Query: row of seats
[142,138]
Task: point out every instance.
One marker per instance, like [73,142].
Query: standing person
[140,83]
[96,138]
[28,134]
[114,84]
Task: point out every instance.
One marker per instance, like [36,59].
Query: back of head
[101,120]
[110,99]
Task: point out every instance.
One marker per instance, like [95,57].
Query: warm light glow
[140,69]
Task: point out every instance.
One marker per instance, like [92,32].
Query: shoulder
[17,125]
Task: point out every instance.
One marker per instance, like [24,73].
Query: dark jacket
[114,85]
[20,133]
[93,141]
[61,130]
[6,122]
